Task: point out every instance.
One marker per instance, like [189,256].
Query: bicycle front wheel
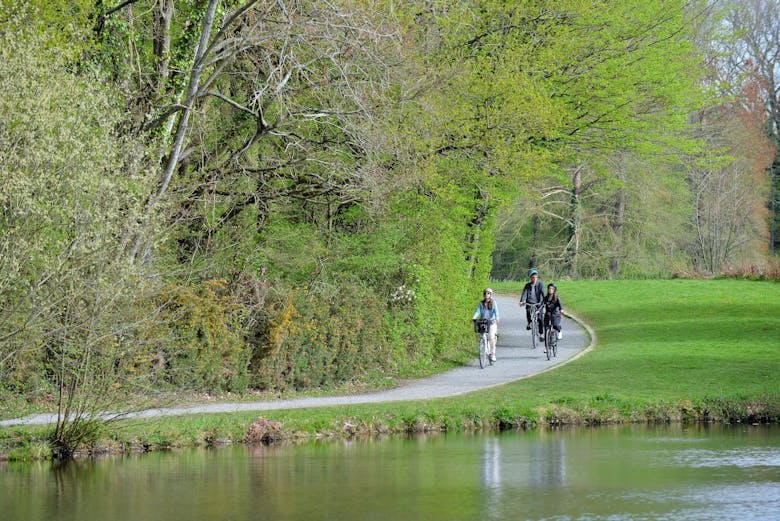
[483,347]
[534,332]
[555,343]
[549,343]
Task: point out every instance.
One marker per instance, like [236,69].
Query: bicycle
[551,342]
[482,327]
[536,309]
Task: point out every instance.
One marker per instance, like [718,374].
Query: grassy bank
[674,350]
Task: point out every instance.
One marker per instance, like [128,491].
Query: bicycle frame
[550,341]
[535,311]
[482,327]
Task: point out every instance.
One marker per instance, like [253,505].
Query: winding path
[516,360]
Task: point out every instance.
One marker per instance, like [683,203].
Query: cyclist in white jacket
[487,309]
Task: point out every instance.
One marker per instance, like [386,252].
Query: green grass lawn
[699,350]
[671,340]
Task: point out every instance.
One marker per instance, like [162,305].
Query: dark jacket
[554,306]
[533,294]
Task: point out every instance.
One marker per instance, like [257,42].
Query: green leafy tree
[69,195]
[623,81]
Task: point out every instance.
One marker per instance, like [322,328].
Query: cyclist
[487,309]
[553,307]
[533,293]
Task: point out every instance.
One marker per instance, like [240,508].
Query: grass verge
[667,351]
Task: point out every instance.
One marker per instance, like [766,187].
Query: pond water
[606,473]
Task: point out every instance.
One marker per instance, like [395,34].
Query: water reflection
[549,469]
[491,464]
[492,480]
[541,463]
[621,473]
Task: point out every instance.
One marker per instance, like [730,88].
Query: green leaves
[67,201]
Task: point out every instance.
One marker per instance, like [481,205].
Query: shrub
[204,347]
[768,270]
[320,338]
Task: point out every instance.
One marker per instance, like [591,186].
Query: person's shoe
[528,327]
[560,335]
[492,358]
[541,338]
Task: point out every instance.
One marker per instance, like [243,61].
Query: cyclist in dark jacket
[553,307]
[533,293]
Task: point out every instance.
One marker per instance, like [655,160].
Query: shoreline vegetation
[690,351]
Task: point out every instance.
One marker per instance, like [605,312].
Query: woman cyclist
[488,310]
[552,309]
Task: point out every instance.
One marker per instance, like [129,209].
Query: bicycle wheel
[549,342]
[555,343]
[534,330]
[482,351]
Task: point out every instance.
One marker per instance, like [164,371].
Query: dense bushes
[322,337]
[199,344]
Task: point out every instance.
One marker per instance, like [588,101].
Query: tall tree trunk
[192,92]
[774,134]
[534,257]
[617,230]
[575,222]
[774,203]
[162,44]
[477,223]
[140,250]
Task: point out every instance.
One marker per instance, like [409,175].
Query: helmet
[533,272]
[552,285]
[487,290]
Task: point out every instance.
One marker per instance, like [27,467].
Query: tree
[746,54]
[266,103]
[630,215]
[69,193]
[620,82]
[729,196]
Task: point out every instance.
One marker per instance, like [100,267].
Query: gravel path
[516,360]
